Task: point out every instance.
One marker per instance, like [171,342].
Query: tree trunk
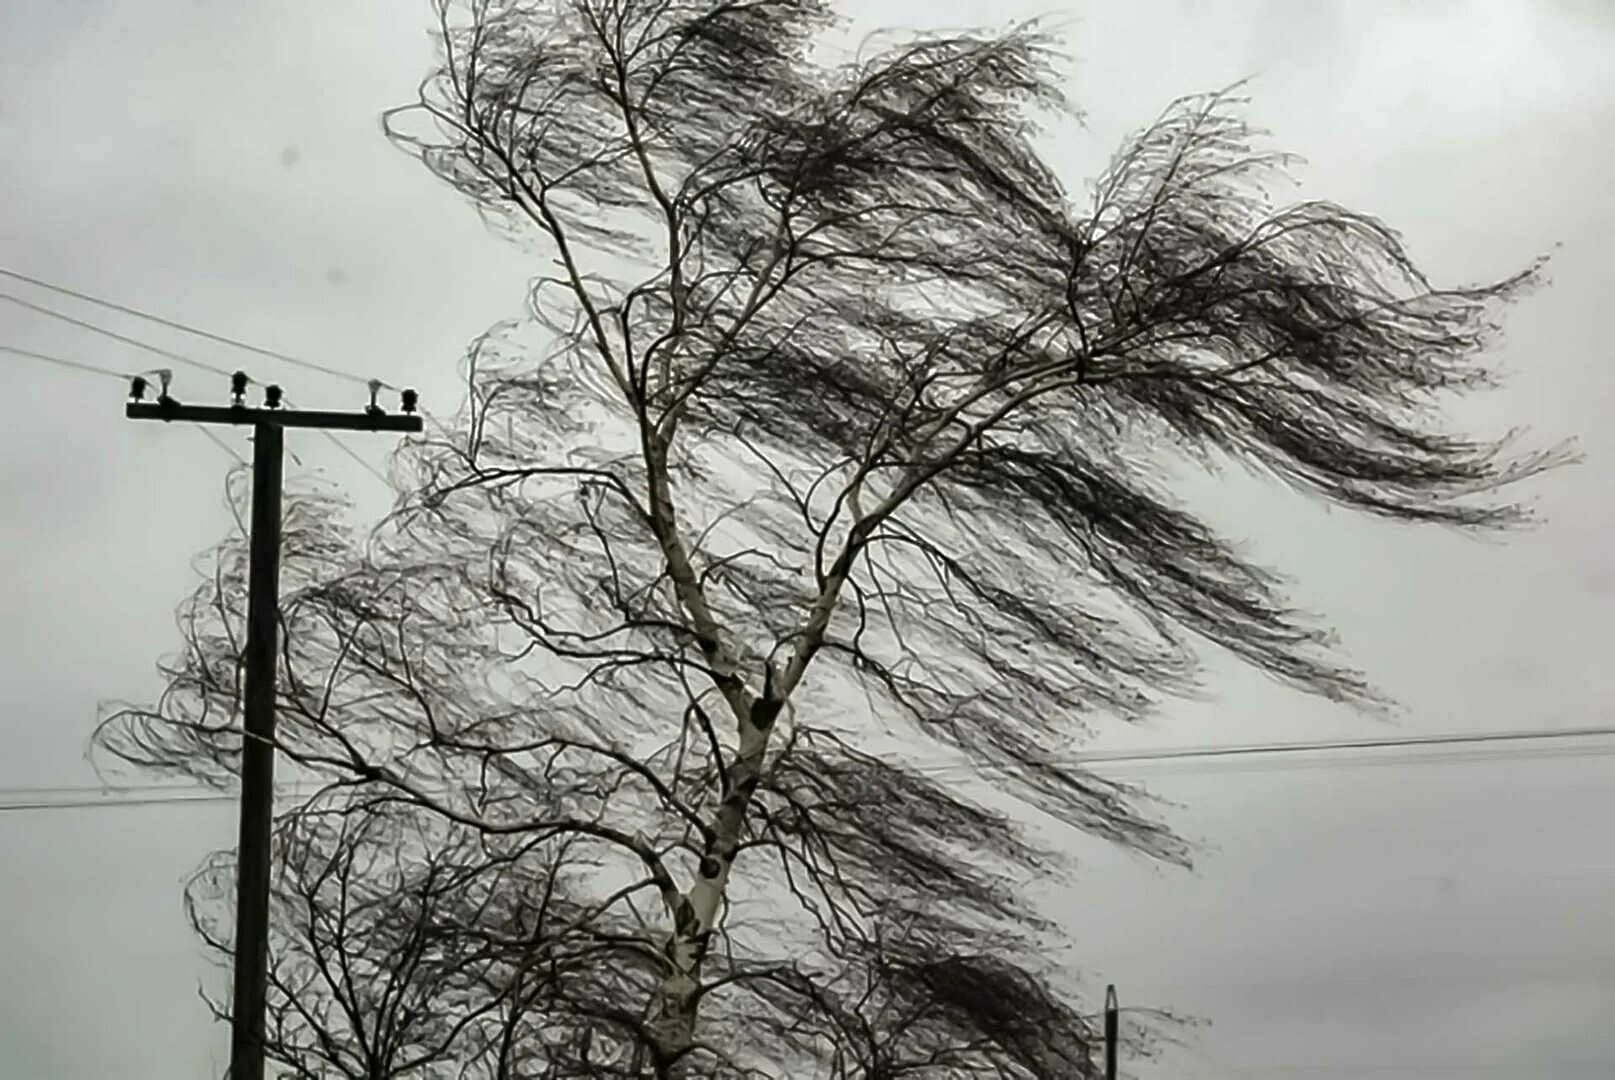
[674,1010]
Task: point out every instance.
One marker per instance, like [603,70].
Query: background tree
[847,437]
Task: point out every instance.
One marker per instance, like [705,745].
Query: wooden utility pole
[263,621]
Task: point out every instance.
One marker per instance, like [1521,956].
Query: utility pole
[263,621]
[1112,1029]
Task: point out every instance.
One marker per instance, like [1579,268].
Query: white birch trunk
[673,1013]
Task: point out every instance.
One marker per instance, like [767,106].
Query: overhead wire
[94,369]
[346,449]
[1383,742]
[114,335]
[1298,750]
[214,438]
[104,789]
[85,804]
[210,335]
[76,365]
[22,798]
[125,377]
[175,324]
[200,795]
[943,769]
[354,454]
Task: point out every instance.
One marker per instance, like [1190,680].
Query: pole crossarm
[285,418]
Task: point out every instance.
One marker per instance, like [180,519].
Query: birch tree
[823,475]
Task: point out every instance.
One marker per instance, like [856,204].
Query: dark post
[257,759]
[1112,1026]
[263,628]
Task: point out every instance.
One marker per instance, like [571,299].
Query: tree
[844,439]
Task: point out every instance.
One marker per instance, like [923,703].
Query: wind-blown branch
[834,444]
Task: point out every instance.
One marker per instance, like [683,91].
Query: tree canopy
[828,468]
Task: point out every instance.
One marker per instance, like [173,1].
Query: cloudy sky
[1401,916]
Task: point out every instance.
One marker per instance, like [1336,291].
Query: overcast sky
[222,163]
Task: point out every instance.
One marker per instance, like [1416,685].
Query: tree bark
[695,915]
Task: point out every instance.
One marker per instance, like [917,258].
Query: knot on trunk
[764,711]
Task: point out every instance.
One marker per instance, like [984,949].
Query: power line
[125,377]
[223,339]
[200,796]
[188,328]
[105,790]
[83,804]
[86,797]
[1513,735]
[1206,754]
[350,451]
[354,454]
[159,793]
[76,365]
[81,796]
[220,443]
[113,334]
[175,324]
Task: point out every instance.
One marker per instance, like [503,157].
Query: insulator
[271,396]
[408,399]
[374,409]
[137,388]
[238,387]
